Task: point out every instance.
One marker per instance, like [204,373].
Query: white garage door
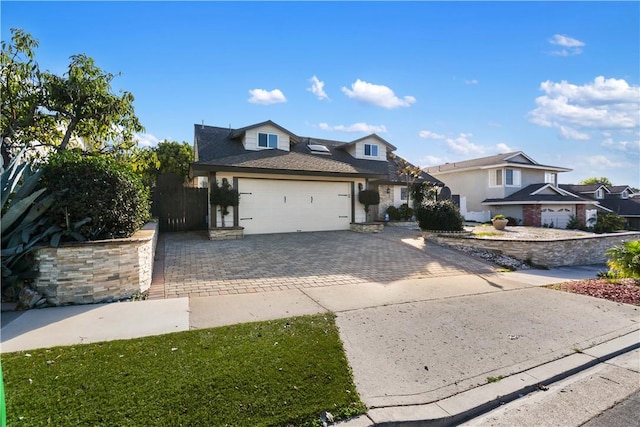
[279,206]
[557,215]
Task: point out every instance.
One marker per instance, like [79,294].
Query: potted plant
[499,222]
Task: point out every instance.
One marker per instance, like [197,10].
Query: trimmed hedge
[442,215]
[98,187]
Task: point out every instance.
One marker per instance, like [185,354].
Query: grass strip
[276,373]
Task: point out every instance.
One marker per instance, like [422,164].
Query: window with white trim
[551,178]
[371,150]
[267,140]
[599,193]
[625,194]
[495,178]
[512,178]
[403,193]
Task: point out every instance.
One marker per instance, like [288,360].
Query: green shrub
[441,215]
[96,187]
[405,212]
[224,196]
[609,222]
[394,215]
[624,260]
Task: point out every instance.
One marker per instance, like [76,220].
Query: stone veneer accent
[367,227]
[226,233]
[550,253]
[97,271]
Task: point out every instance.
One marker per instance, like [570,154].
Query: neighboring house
[618,199]
[289,183]
[514,185]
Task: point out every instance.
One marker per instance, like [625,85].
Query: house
[618,199]
[289,183]
[514,185]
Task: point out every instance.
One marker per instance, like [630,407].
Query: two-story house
[618,199]
[289,183]
[514,185]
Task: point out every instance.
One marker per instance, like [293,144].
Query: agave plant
[23,225]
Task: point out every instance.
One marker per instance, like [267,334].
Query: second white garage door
[280,206]
[557,216]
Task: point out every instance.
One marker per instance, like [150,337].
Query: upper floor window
[512,177]
[267,140]
[371,150]
[625,194]
[551,178]
[495,178]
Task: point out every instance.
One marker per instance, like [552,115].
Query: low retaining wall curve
[97,271]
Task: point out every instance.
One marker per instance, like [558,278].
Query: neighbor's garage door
[557,215]
[280,206]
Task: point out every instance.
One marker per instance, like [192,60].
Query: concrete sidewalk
[421,350]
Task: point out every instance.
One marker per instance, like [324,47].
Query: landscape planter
[500,224]
[367,227]
[226,233]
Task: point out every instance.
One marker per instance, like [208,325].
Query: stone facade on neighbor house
[290,183]
[585,250]
[515,185]
[97,271]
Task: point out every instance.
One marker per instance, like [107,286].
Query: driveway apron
[196,266]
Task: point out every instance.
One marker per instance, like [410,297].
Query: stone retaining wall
[551,253]
[226,233]
[367,227]
[97,271]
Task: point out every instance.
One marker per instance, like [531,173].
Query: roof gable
[515,159]
[239,133]
[374,136]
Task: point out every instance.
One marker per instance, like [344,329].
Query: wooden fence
[179,208]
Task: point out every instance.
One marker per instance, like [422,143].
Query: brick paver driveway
[195,266]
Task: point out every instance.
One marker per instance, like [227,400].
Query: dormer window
[371,150]
[625,194]
[599,193]
[267,140]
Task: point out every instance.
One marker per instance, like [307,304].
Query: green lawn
[284,372]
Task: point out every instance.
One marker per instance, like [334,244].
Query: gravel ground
[485,231]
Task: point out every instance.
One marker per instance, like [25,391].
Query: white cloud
[317,88]
[356,127]
[601,162]
[265,97]
[570,46]
[503,148]
[379,95]
[471,82]
[427,134]
[630,147]
[462,145]
[146,139]
[570,133]
[604,104]
[431,161]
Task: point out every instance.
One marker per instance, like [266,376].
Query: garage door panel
[279,206]
[558,215]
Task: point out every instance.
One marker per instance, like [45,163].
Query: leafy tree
[595,180]
[41,109]
[166,157]
[408,172]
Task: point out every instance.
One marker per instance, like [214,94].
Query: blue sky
[442,81]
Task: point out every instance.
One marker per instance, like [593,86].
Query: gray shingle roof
[526,195]
[497,159]
[623,207]
[221,149]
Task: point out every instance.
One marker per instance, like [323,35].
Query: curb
[469,404]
